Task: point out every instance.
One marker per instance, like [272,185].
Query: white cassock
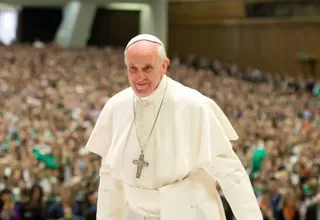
[187,153]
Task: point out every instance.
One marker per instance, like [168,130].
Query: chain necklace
[141,163]
[143,146]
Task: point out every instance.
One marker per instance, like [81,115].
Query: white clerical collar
[157,94]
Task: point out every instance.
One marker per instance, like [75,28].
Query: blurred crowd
[50,99]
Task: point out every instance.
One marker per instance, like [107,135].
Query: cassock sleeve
[220,161]
[111,199]
[100,138]
[110,193]
[223,120]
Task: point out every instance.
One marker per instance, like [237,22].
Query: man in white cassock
[164,146]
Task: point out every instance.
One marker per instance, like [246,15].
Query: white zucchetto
[145,37]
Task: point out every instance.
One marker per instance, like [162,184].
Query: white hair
[161,52]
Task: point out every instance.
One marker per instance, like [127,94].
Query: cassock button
[146,103]
[142,124]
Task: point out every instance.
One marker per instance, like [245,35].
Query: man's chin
[143,92]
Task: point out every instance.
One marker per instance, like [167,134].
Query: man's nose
[141,74]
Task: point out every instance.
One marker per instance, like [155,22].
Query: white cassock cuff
[111,199]
[236,186]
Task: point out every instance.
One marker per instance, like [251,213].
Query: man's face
[6,197]
[272,185]
[145,68]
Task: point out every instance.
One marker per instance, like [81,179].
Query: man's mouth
[142,86]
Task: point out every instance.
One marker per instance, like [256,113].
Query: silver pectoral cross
[141,163]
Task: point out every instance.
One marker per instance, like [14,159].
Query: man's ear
[166,63]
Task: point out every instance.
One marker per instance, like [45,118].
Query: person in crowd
[289,207]
[313,208]
[33,208]
[141,175]
[64,208]
[9,210]
[265,205]
[90,205]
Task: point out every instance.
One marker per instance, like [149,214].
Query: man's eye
[132,69]
[147,68]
